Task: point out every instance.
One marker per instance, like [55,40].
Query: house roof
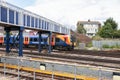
[89,22]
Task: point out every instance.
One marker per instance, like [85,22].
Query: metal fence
[97,72]
[101,43]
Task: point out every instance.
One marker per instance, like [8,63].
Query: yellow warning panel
[62,74]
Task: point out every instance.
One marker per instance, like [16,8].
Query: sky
[68,12]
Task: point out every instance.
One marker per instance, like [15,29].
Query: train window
[45,40]
[57,40]
[41,40]
[52,40]
[35,39]
[5,39]
[65,39]
[26,38]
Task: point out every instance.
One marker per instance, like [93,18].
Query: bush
[97,37]
[111,47]
[89,44]
[105,46]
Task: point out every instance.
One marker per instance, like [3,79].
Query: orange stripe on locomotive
[65,38]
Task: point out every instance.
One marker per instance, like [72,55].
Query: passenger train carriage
[64,42]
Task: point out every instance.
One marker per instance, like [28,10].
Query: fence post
[52,72]
[34,75]
[100,73]
[75,71]
[18,69]
[4,67]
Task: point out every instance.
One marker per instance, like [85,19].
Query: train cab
[62,42]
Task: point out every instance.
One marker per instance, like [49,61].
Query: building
[2,30]
[91,27]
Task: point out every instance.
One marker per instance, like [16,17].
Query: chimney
[88,20]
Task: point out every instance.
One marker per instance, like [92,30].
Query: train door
[1,40]
[53,41]
[26,40]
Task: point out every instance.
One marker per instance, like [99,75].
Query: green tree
[112,22]
[109,29]
[80,29]
[106,31]
[116,34]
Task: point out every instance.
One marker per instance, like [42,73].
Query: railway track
[93,52]
[96,58]
[27,75]
[79,60]
[111,53]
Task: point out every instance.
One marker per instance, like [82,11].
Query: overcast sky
[68,12]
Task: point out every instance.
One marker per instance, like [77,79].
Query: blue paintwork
[61,43]
[21,41]
[28,20]
[7,40]
[17,17]
[39,46]
[43,40]
[50,40]
[3,14]
[11,16]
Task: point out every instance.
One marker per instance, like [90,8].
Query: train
[59,42]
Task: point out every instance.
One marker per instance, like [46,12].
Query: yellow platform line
[69,75]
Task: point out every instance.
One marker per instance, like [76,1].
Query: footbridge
[14,18]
